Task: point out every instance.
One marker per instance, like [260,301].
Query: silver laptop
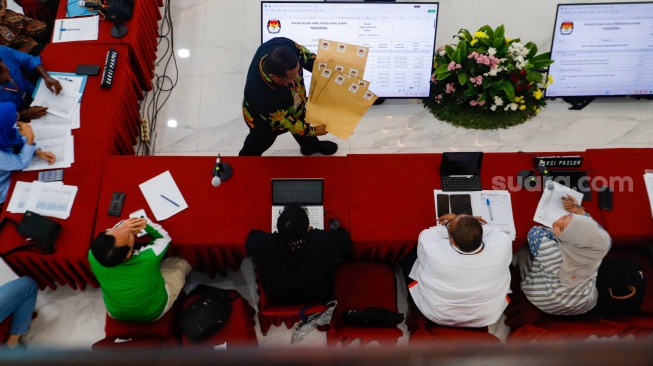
[306,192]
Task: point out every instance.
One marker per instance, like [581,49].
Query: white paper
[648,181]
[62,104]
[76,29]
[19,197]
[42,134]
[550,208]
[54,200]
[501,217]
[163,196]
[63,149]
[53,121]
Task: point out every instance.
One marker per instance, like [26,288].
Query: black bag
[621,285]
[206,314]
[44,231]
[373,317]
[119,10]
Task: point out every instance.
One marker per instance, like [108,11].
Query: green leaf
[498,41]
[462,78]
[533,49]
[539,64]
[534,77]
[499,32]
[470,92]
[449,51]
[482,98]
[541,56]
[456,56]
[481,49]
[443,75]
[462,47]
[441,69]
[465,32]
[509,90]
[487,30]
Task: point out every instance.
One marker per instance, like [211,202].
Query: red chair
[270,314]
[359,285]
[238,330]
[424,331]
[163,332]
[39,11]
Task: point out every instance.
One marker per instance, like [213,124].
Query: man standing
[275,99]
[136,285]
[462,272]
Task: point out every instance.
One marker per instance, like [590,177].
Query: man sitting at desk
[16,88]
[297,264]
[461,275]
[136,285]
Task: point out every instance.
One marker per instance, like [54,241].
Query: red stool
[270,314]
[359,285]
[424,331]
[159,333]
[238,330]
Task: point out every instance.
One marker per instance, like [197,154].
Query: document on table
[62,104]
[63,149]
[53,121]
[550,207]
[42,134]
[495,206]
[50,199]
[648,181]
[76,29]
[163,196]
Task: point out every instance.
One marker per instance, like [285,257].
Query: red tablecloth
[630,223]
[105,115]
[211,232]
[141,38]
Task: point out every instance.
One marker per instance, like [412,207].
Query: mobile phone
[117,200]
[605,198]
[87,70]
[442,201]
[50,175]
[461,204]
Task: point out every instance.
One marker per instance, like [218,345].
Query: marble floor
[206,105]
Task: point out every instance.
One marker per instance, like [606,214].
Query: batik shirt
[281,107]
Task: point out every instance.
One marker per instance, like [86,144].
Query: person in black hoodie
[297,263]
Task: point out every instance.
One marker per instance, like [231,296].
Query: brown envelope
[343,53]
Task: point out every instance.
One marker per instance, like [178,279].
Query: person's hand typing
[46,155]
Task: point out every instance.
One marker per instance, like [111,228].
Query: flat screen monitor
[602,50]
[401,38]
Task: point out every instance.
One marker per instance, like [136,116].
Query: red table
[141,38]
[630,223]
[105,115]
[211,232]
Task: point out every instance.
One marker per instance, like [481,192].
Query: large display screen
[401,38]
[602,50]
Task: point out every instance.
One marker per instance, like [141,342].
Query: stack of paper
[339,96]
[648,181]
[550,208]
[494,206]
[49,199]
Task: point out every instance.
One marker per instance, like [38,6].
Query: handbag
[44,231]
[620,284]
[308,323]
[373,317]
[206,314]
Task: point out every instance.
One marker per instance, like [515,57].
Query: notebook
[460,171]
[306,192]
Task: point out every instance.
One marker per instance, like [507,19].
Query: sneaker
[326,148]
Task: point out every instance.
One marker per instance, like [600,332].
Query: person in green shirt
[137,284]
[275,99]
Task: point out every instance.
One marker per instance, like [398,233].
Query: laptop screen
[461,163]
[302,191]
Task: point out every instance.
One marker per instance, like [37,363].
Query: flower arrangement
[487,81]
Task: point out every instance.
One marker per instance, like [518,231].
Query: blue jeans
[17,298]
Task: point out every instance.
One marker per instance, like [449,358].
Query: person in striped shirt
[559,275]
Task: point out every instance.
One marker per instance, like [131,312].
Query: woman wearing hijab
[559,277]
[17,146]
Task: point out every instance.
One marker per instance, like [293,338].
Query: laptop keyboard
[461,183]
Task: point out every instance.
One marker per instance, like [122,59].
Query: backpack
[621,285]
[206,314]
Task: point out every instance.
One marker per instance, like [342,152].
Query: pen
[70,29]
[63,78]
[169,200]
[487,202]
[573,204]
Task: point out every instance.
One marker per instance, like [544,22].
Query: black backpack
[620,284]
[206,314]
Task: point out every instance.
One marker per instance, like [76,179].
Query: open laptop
[306,192]
[461,171]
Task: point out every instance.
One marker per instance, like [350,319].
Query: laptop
[306,192]
[461,171]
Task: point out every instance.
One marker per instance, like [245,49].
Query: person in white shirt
[461,275]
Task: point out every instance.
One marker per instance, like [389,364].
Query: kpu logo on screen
[566,28]
[274,26]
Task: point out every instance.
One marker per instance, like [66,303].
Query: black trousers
[261,137]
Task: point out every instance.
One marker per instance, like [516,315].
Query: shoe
[326,148]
